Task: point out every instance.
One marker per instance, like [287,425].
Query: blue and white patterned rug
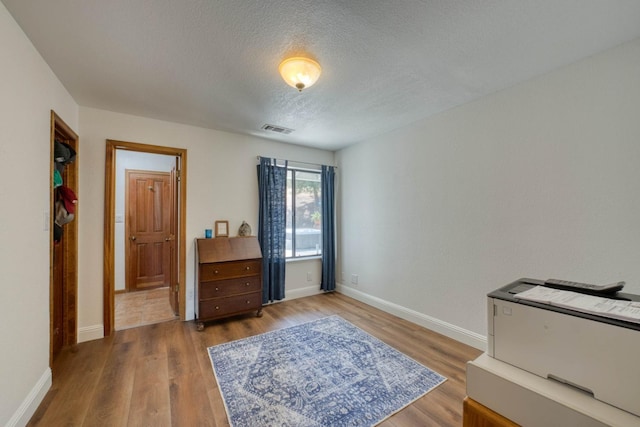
[326,372]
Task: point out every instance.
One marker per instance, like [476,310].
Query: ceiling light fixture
[300,73]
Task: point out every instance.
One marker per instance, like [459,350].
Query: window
[304,213]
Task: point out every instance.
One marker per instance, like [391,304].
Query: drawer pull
[215,272]
[248,268]
[248,302]
[247,284]
[217,308]
[217,289]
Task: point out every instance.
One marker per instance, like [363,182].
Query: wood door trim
[109,223]
[69,242]
[173,253]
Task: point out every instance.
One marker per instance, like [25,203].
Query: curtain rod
[295,161]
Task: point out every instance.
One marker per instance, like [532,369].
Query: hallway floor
[140,308]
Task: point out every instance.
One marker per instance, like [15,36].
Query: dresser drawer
[220,307]
[229,270]
[223,288]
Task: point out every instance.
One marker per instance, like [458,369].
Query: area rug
[326,372]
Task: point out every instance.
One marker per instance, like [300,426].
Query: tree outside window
[304,217]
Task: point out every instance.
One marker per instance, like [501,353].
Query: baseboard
[302,292]
[90,333]
[29,405]
[473,339]
[447,329]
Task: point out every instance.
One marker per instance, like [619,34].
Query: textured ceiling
[214,63]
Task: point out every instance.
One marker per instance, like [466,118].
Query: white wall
[221,185]
[28,93]
[133,160]
[540,180]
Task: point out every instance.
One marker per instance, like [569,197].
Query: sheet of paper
[607,307]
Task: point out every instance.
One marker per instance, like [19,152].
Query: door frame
[69,242]
[109,223]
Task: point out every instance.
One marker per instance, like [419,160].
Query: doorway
[154,259]
[63,248]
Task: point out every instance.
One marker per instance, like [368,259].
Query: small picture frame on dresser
[222,228]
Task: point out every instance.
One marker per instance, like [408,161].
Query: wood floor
[160,375]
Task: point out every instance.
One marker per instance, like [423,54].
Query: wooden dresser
[476,415]
[228,278]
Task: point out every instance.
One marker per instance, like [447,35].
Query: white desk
[530,400]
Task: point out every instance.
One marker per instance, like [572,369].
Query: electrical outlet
[308,276]
[354,279]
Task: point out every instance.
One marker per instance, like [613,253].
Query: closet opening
[63,237]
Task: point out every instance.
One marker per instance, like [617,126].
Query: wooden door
[63,256]
[148,229]
[173,264]
[57,314]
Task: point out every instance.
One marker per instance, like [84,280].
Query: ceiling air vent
[277,129]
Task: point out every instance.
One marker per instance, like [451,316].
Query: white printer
[595,354]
